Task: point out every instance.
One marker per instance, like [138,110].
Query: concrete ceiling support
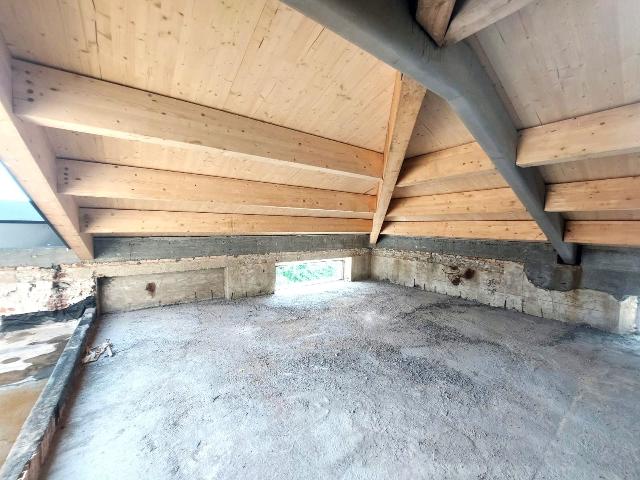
[391,33]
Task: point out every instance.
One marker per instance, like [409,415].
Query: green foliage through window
[306,273]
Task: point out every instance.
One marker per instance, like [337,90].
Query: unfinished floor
[353,380]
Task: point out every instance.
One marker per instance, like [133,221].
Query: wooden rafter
[407,100]
[619,233]
[58,99]
[496,204]
[601,134]
[134,222]
[25,150]
[613,194]
[456,162]
[212,194]
[475,15]
[434,16]
[493,230]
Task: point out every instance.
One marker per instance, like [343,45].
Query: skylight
[15,205]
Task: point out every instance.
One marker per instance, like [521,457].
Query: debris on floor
[94,353]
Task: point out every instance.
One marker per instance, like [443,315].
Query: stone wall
[502,283]
[139,283]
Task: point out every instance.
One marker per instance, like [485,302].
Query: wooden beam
[456,162]
[457,169]
[58,99]
[619,233]
[494,230]
[497,204]
[25,150]
[137,222]
[475,15]
[189,206]
[434,16]
[405,106]
[214,194]
[602,134]
[595,195]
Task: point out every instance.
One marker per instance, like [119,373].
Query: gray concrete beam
[391,33]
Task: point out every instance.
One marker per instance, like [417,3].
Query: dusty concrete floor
[363,380]
[27,358]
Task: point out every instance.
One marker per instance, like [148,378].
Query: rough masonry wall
[132,274]
[502,283]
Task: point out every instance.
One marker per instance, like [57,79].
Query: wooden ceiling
[206,117]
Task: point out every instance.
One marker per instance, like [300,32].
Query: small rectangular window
[293,274]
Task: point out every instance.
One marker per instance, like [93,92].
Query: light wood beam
[594,196]
[137,222]
[475,15]
[602,134]
[58,99]
[25,150]
[213,194]
[458,169]
[460,162]
[494,230]
[434,16]
[618,233]
[407,100]
[497,204]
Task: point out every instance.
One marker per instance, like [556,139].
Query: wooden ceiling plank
[26,152]
[617,233]
[594,196]
[89,179]
[58,99]
[490,230]
[607,133]
[137,222]
[405,106]
[434,16]
[487,204]
[476,15]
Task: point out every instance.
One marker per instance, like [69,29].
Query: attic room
[319,239]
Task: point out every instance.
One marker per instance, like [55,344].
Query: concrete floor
[361,380]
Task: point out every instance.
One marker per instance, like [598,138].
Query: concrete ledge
[30,449]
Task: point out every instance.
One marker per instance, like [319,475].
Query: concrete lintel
[108,249]
[391,33]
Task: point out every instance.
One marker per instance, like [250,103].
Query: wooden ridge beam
[434,16]
[137,222]
[89,179]
[58,99]
[475,15]
[491,230]
[405,106]
[496,204]
[617,233]
[26,152]
[594,195]
[602,134]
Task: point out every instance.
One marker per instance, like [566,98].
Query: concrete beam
[454,73]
